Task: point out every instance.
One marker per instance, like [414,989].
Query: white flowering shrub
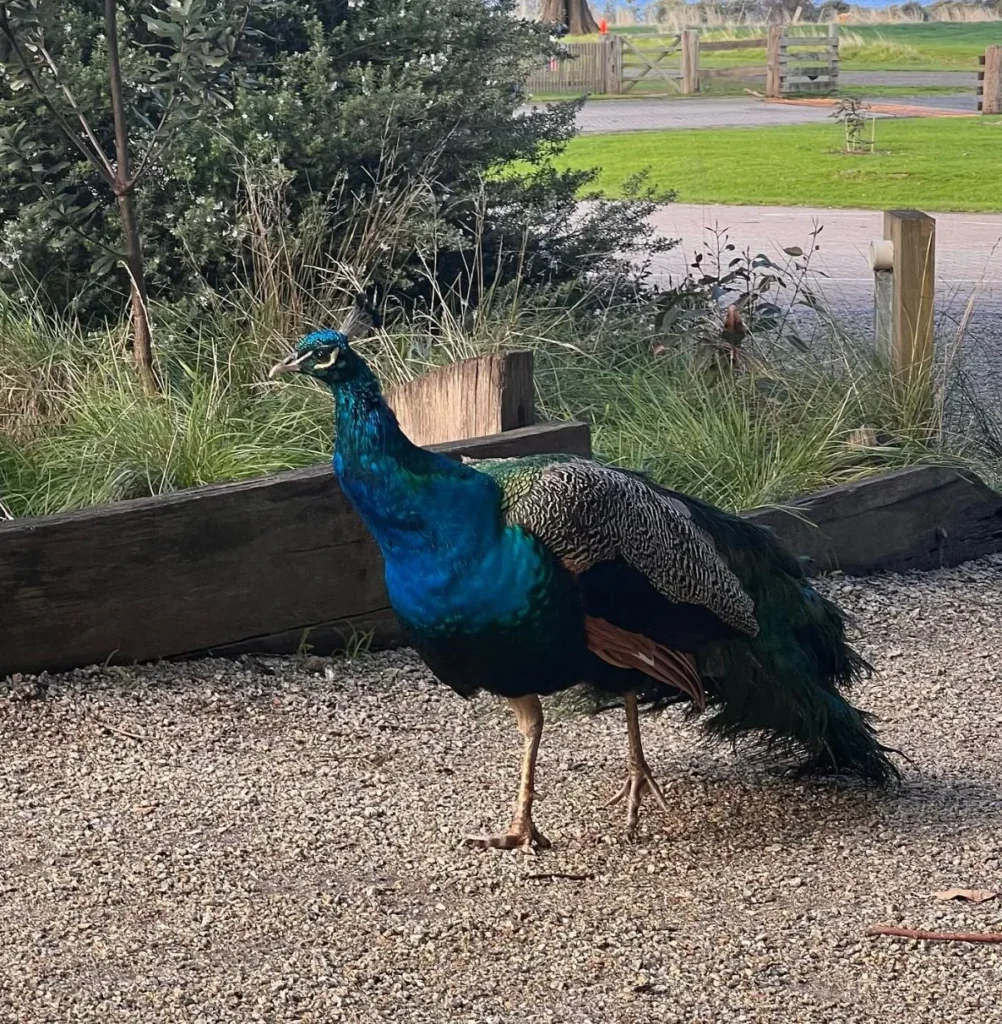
[344,101]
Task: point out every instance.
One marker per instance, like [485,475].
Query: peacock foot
[522,835]
[639,779]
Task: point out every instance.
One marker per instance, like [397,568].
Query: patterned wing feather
[587,513]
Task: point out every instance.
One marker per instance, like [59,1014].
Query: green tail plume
[784,687]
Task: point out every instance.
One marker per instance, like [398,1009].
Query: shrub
[328,105]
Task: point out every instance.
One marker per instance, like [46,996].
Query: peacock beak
[290,364]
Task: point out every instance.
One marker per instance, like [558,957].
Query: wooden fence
[801,65]
[613,65]
[653,66]
[990,81]
[589,68]
[795,65]
[694,75]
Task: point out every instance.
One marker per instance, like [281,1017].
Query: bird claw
[639,779]
[523,836]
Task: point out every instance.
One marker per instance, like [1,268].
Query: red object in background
[603,27]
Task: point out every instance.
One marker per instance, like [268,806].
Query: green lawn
[933,164]
[931,46]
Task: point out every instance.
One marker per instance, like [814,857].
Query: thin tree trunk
[575,14]
[142,340]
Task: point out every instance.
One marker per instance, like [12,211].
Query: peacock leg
[522,835]
[639,776]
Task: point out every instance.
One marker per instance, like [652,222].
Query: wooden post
[990,81]
[912,235]
[689,43]
[833,58]
[773,71]
[612,64]
[478,397]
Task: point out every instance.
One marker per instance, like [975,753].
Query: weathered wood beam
[475,398]
[921,518]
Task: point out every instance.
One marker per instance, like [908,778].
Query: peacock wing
[591,515]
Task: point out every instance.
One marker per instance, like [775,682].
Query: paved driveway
[651,114]
[968,249]
[968,272]
[654,113]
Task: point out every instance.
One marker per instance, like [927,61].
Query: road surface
[968,249]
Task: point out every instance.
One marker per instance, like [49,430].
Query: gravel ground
[256,841]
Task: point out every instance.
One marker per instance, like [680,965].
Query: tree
[51,84]
[575,14]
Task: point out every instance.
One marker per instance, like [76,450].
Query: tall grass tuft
[90,435]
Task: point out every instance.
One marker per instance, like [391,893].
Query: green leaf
[165,29]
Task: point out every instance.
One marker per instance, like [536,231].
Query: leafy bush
[320,107]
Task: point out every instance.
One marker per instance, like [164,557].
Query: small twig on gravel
[918,933]
[562,874]
[124,733]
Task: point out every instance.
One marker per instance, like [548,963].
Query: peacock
[528,576]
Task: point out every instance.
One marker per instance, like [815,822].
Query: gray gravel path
[219,841]
[956,79]
[968,272]
[603,116]
[962,102]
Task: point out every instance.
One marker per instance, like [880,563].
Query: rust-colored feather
[624,649]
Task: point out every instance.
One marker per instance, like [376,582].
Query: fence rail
[795,65]
[613,65]
[653,65]
[589,68]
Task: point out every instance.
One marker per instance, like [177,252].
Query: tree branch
[65,89]
[122,175]
[155,140]
[98,160]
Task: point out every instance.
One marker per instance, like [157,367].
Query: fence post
[990,81]
[833,57]
[773,52]
[904,268]
[612,59]
[882,263]
[690,61]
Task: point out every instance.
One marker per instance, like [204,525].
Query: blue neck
[416,503]
[366,426]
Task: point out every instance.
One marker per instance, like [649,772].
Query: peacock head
[325,355]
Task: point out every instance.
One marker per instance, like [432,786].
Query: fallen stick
[918,933]
[124,733]
[562,874]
